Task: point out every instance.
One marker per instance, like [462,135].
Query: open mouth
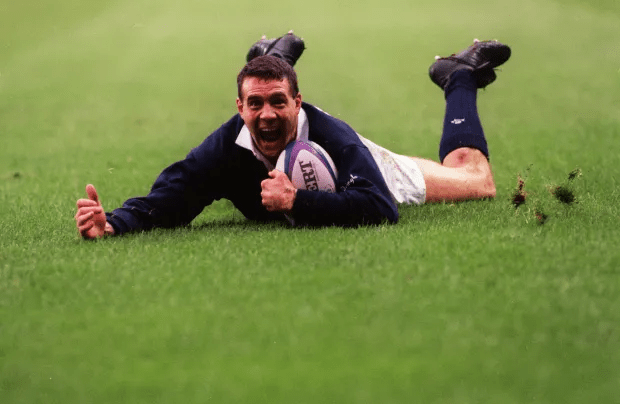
[269,135]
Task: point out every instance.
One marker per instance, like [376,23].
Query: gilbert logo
[309,175]
[457,121]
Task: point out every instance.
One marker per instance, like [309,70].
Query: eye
[254,103]
[278,102]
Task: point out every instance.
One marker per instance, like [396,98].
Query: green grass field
[459,303]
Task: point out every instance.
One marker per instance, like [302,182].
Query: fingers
[277,179]
[90,217]
[265,183]
[266,193]
[270,203]
[93,210]
[277,192]
[92,193]
[85,223]
[82,203]
[84,219]
[85,228]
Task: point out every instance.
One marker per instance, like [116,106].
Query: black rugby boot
[481,58]
[288,47]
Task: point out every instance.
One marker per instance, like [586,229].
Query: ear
[298,102]
[240,106]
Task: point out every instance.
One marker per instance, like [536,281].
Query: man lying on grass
[237,161]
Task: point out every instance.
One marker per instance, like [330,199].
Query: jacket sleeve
[362,196]
[180,192]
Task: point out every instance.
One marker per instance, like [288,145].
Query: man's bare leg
[464,175]
[465,172]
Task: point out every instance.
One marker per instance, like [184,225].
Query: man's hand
[90,217]
[278,192]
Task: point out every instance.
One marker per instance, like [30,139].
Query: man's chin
[271,150]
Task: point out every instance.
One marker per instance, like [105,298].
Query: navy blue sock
[461,124]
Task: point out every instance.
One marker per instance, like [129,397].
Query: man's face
[270,113]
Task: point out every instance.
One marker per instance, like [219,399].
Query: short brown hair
[268,68]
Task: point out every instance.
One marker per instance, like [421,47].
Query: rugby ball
[308,166]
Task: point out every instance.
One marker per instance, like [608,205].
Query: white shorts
[401,174]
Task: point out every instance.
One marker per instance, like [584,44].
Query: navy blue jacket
[219,168]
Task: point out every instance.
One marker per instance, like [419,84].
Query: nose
[267,113]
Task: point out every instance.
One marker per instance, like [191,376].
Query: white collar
[245,139]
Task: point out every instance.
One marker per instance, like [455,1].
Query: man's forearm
[351,209]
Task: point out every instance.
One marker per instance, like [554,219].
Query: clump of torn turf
[565,192]
[541,216]
[519,195]
[574,174]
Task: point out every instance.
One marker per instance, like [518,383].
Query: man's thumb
[275,173]
[92,193]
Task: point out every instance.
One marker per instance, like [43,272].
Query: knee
[464,156]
